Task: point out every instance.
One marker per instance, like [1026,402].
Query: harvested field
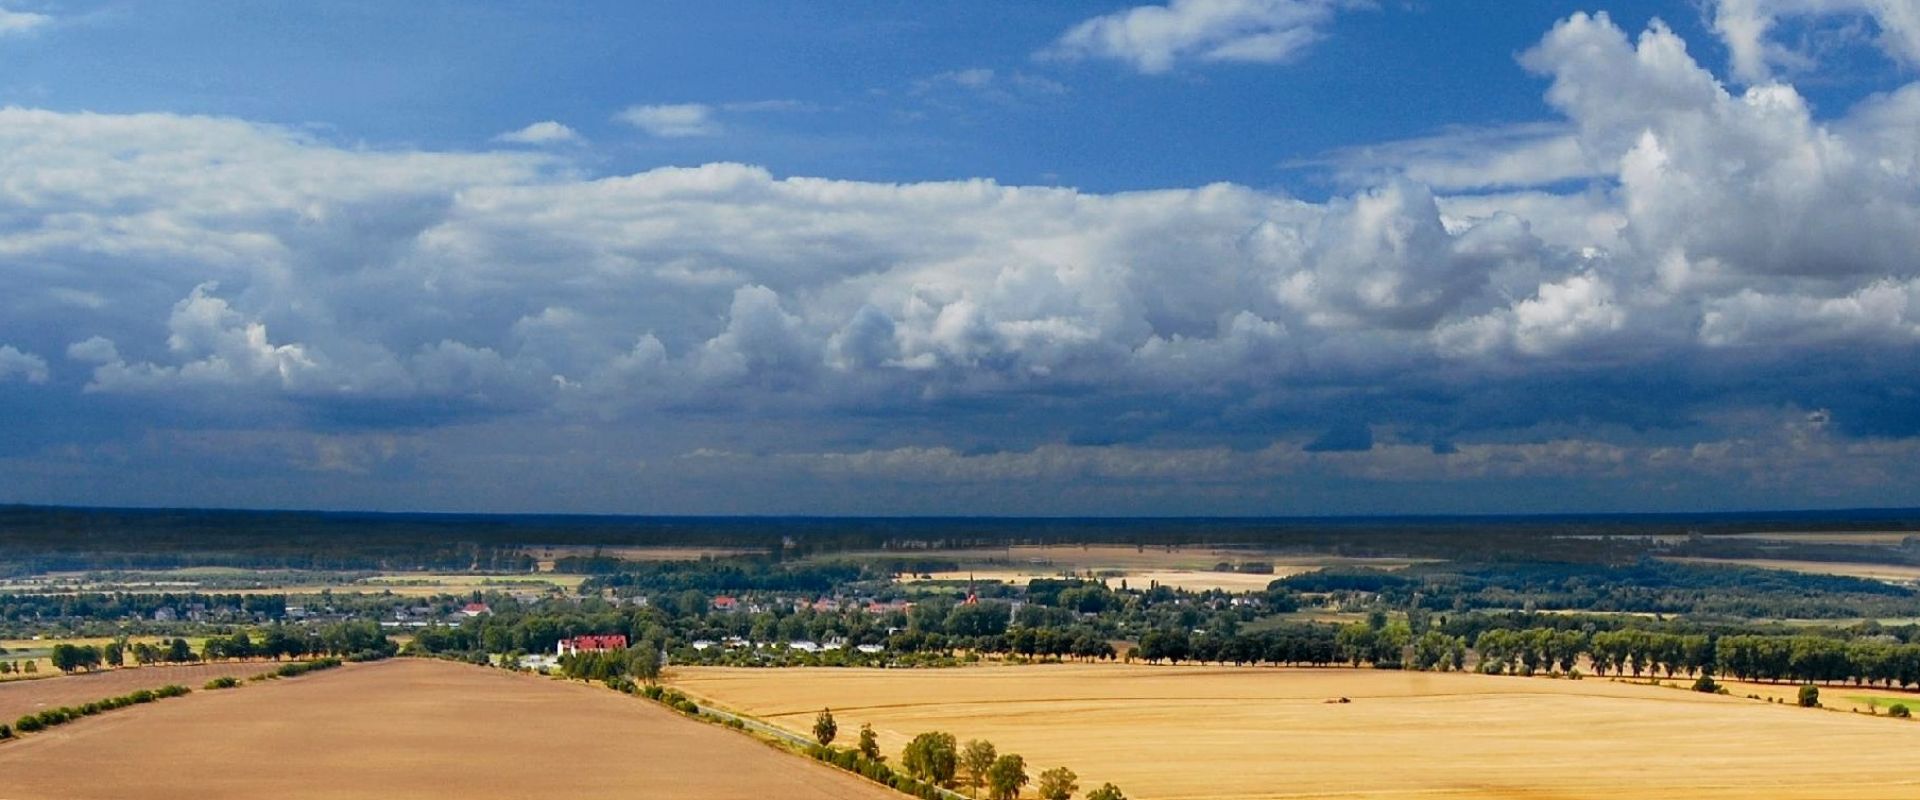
[1189,569]
[1892,573]
[409,728]
[419,584]
[1825,537]
[1244,733]
[545,555]
[27,696]
[1191,580]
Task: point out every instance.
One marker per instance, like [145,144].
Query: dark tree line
[126,605]
[1645,586]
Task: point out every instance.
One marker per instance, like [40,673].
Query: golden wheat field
[408,728]
[1180,733]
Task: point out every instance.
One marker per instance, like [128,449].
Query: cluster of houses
[823,605]
[802,645]
[421,616]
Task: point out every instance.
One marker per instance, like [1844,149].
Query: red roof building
[725,603]
[591,644]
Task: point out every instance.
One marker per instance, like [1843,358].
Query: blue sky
[869,91]
[1207,256]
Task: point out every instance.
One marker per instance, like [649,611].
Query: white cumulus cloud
[1718,237]
[26,366]
[1747,28]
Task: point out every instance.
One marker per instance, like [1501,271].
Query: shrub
[1896,710]
[1705,684]
[1809,696]
[295,669]
[223,682]
[6,731]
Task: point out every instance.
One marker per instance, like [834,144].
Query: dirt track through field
[409,729]
[1185,733]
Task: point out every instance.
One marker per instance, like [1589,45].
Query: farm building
[590,644]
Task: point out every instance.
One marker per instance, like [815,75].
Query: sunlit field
[1259,733]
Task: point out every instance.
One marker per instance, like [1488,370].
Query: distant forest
[40,538]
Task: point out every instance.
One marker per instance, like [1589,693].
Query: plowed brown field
[25,697]
[408,729]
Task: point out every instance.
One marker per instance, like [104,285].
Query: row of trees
[1815,658]
[937,758]
[362,639]
[1500,650]
[1645,586]
[59,716]
[642,661]
[74,657]
[131,605]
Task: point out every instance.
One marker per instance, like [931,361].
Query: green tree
[1006,777]
[643,661]
[1107,791]
[65,657]
[824,728]
[1809,696]
[870,744]
[115,653]
[69,657]
[978,758]
[1058,784]
[932,757]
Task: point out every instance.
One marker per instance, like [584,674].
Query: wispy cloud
[1467,158]
[1155,38]
[673,121]
[19,22]
[988,83]
[539,133]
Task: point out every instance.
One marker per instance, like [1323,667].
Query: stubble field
[408,729]
[1172,733]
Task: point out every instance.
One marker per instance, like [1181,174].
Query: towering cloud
[1735,264]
